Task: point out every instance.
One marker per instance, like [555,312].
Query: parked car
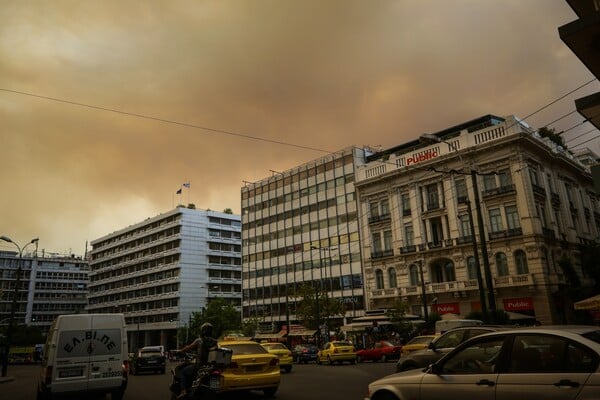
[417,343]
[380,351]
[149,359]
[305,353]
[442,345]
[527,363]
[337,351]
[252,368]
[282,352]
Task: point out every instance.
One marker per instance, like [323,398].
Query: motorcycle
[209,377]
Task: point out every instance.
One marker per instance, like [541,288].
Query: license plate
[69,373]
[214,383]
[152,361]
[253,368]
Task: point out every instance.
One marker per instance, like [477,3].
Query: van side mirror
[435,368]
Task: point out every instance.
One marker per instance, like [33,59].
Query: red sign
[446,308]
[422,156]
[521,304]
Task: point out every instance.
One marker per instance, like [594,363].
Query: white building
[159,271]
[301,226]
[50,285]
[537,206]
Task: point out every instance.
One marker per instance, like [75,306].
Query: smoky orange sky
[317,74]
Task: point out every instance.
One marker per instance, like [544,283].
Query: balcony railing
[538,190]
[506,189]
[382,254]
[408,249]
[464,240]
[555,199]
[514,232]
[434,245]
[379,218]
[548,233]
[514,280]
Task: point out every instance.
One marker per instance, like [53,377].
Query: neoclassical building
[491,184]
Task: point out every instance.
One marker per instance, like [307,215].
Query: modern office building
[161,270]
[300,226]
[50,285]
[489,193]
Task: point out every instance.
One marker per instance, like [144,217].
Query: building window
[471,268]
[521,262]
[512,217]
[489,182]
[505,178]
[437,233]
[385,207]
[533,175]
[379,279]
[408,235]
[387,240]
[433,202]
[465,226]
[413,275]
[461,190]
[541,211]
[501,264]
[374,209]
[376,243]
[405,199]
[392,277]
[495,220]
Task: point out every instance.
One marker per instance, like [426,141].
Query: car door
[468,373]
[544,366]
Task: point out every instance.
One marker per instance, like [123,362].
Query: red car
[381,351]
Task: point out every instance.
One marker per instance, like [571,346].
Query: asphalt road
[305,382]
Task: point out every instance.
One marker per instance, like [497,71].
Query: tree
[228,211]
[551,134]
[251,325]
[311,301]
[220,313]
[396,314]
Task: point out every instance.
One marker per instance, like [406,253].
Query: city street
[304,382]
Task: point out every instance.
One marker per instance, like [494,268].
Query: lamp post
[423,293]
[429,138]
[13,310]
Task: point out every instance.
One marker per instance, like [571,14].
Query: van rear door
[71,372]
[106,351]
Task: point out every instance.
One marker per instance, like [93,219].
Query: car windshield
[146,354]
[342,344]
[274,346]
[247,348]
[386,343]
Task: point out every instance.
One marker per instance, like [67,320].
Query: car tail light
[48,375]
[125,368]
[274,362]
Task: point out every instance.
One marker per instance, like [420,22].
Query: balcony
[555,200]
[497,235]
[514,232]
[514,280]
[382,254]
[382,293]
[406,213]
[462,199]
[408,249]
[379,218]
[538,191]
[548,233]
[434,245]
[502,190]
[464,240]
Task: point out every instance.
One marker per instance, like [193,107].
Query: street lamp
[13,310]
[429,138]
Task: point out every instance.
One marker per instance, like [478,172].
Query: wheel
[359,359]
[319,360]
[384,396]
[353,361]
[329,360]
[383,358]
[117,394]
[269,392]
[42,395]
[287,368]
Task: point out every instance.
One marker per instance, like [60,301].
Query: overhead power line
[167,121]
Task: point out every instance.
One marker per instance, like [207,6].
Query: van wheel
[117,394]
[42,395]
[269,392]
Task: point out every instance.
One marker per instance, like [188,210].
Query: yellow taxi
[282,352]
[252,368]
[417,343]
[337,351]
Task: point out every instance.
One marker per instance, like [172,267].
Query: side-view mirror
[431,346]
[435,368]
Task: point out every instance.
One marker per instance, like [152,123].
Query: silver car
[559,362]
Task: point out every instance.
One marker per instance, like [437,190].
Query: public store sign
[520,304]
[447,308]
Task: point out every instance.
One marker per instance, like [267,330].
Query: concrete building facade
[161,270]
[492,184]
[50,285]
[299,227]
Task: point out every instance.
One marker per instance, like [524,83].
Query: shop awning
[303,333]
[278,335]
[593,303]
[360,326]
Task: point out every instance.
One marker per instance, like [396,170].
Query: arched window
[379,279]
[501,264]
[450,275]
[521,262]
[471,268]
[413,275]
[392,277]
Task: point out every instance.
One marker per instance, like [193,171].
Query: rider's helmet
[206,330]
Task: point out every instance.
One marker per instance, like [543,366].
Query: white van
[445,325]
[85,353]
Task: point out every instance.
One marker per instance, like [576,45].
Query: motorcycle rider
[202,345]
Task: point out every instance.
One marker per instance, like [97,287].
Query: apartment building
[489,193]
[300,226]
[161,270]
[50,285]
